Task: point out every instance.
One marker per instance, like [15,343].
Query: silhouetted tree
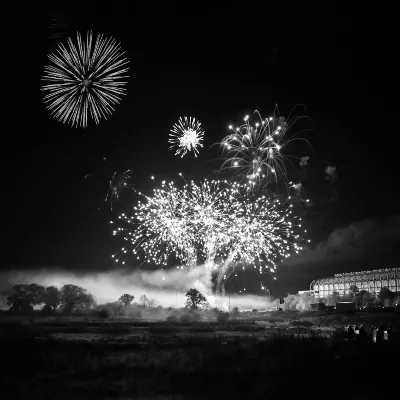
[333,299]
[146,302]
[353,290]
[386,296]
[362,298]
[51,299]
[73,297]
[195,300]
[126,299]
[235,312]
[152,303]
[24,297]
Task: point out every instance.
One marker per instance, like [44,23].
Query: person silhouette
[350,332]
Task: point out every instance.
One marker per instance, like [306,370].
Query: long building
[371,281]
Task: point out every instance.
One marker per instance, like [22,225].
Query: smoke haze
[167,287]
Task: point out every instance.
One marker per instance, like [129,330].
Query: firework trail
[253,152]
[117,184]
[87,77]
[186,135]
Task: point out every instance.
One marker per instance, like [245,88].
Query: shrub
[172,318]
[103,313]
[222,317]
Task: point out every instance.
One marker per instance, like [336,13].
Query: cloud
[368,244]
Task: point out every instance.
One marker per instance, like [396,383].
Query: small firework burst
[87,77]
[186,135]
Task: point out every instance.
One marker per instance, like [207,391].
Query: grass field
[276,354]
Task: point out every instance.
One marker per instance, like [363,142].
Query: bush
[172,318]
[185,319]
[222,317]
[103,313]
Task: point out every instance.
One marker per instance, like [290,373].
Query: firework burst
[186,135]
[215,222]
[253,152]
[87,77]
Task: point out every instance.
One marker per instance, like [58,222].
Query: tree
[152,303]
[144,300]
[386,296]
[73,297]
[24,297]
[362,298]
[235,312]
[195,300]
[126,299]
[333,299]
[51,299]
[353,290]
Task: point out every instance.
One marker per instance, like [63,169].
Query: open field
[276,354]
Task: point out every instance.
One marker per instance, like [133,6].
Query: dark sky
[215,64]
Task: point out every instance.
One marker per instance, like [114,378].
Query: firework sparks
[160,228]
[215,222]
[254,151]
[88,77]
[264,232]
[186,135]
[117,184]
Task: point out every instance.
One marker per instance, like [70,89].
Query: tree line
[71,299]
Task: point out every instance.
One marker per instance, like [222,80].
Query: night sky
[215,64]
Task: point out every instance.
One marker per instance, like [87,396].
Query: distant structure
[371,281]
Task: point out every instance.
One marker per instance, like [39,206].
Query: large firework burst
[215,222]
[87,77]
[187,135]
[253,152]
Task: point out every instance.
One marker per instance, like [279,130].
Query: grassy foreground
[192,361]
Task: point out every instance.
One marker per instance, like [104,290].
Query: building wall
[371,281]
